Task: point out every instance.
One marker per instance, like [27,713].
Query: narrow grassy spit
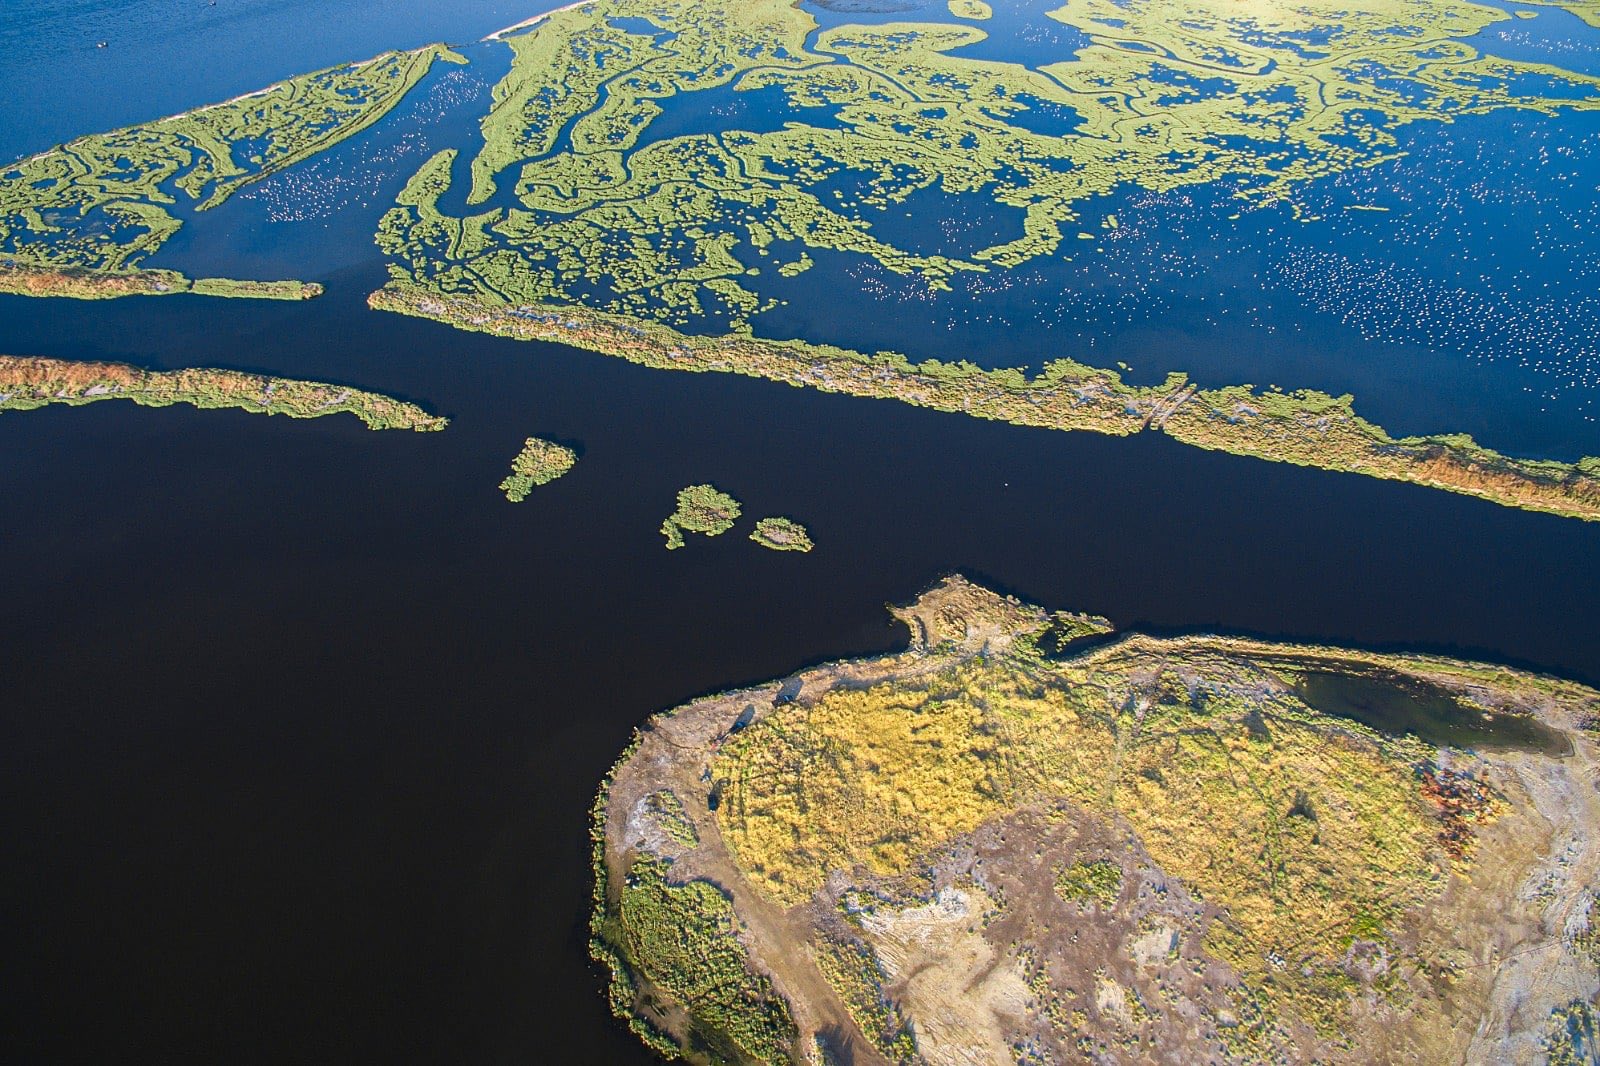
[28,383]
[97,285]
[1306,428]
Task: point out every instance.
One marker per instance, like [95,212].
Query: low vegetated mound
[28,383]
[782,535]
[701,509]
[538,463]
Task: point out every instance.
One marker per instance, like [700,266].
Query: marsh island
[701,509]
[782,535]
[1010,844]
[29,383]
[538,463]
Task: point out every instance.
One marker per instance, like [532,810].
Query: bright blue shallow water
[301,722]
[162,57]
[1467,303]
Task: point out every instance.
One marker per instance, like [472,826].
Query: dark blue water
[301,722]
[1022,32]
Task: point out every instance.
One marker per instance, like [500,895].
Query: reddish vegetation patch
[1464,801]
[60,373]
[27,383]
[87,285]
[1565,490]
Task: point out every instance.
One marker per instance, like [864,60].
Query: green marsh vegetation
[668,812]
[78,220]
[782,535]
[858,979]
[538,463]
[1169,93]
[633,245]
[681,945]
[29,383]
[1096,881]
[701,509]
[1305,427]
[255,290]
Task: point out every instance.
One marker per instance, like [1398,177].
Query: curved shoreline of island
[1303,428]
[538,463]
[28,383]
[515,27]
[970,846]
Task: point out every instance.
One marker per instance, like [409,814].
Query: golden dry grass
[881,777]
